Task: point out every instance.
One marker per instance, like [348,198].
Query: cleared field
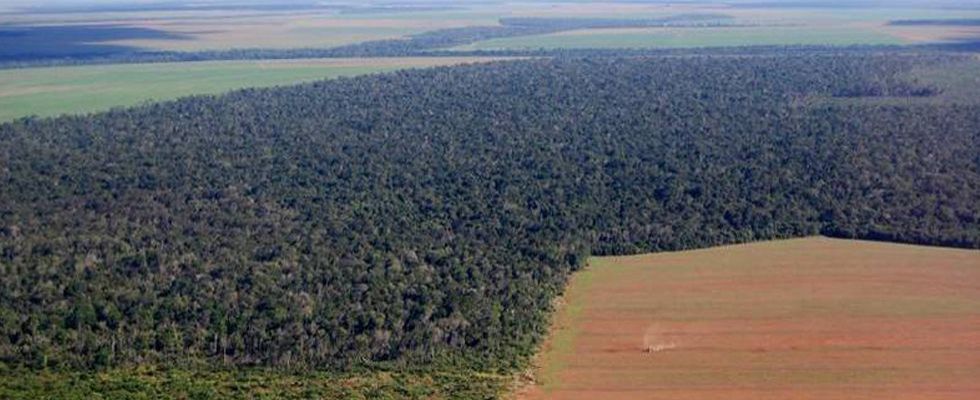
[812,318]
[82,89]
[689,37]
[297,31]
[777,26]
[218,30]
[958,83]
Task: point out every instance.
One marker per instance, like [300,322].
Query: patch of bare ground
[813,318]
[928,33]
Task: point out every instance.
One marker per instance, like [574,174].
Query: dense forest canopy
[433,215]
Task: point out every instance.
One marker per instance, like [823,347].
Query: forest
[430,217]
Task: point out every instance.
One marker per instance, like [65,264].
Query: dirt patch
[811,318]
[928,34]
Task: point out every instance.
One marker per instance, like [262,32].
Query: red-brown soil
[811,318]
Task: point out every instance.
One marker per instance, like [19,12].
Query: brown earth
[930,34]
[812,318]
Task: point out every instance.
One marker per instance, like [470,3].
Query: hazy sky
[9,4]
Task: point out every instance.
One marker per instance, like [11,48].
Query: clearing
[813,318]
[689,37]
[52,91]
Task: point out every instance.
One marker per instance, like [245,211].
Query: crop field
[813,318]
[81,89]
[182,30]
[762,26]
[689,37]
[218,30]
[299,31]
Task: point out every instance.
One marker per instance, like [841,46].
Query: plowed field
[812,318]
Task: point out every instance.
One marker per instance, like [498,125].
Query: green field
[689,37]
[82,89]
[957,83]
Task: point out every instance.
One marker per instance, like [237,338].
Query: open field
[775,26]
[101,31]
[82,89]
[957,83]
[294,31]
[812,318]
[689,37]
[219,30]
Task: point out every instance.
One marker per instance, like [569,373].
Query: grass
[958,83]
[559,345]
[802,318]
[83,89]
[689,37]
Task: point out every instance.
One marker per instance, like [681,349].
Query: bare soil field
[813,318]
[218,30]
[930,34]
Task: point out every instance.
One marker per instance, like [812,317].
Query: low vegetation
[687,37]
[45,92]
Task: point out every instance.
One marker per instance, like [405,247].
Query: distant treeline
[392,51]
[511,27]
[65,48]
[430,217]
[936,22]
[680,20]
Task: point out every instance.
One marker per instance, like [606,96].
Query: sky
[15,4]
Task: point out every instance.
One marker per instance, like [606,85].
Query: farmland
[223,29]
[211,215]
[82,89]
[762,26]
[688,37]
[802,318]
[110,31]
